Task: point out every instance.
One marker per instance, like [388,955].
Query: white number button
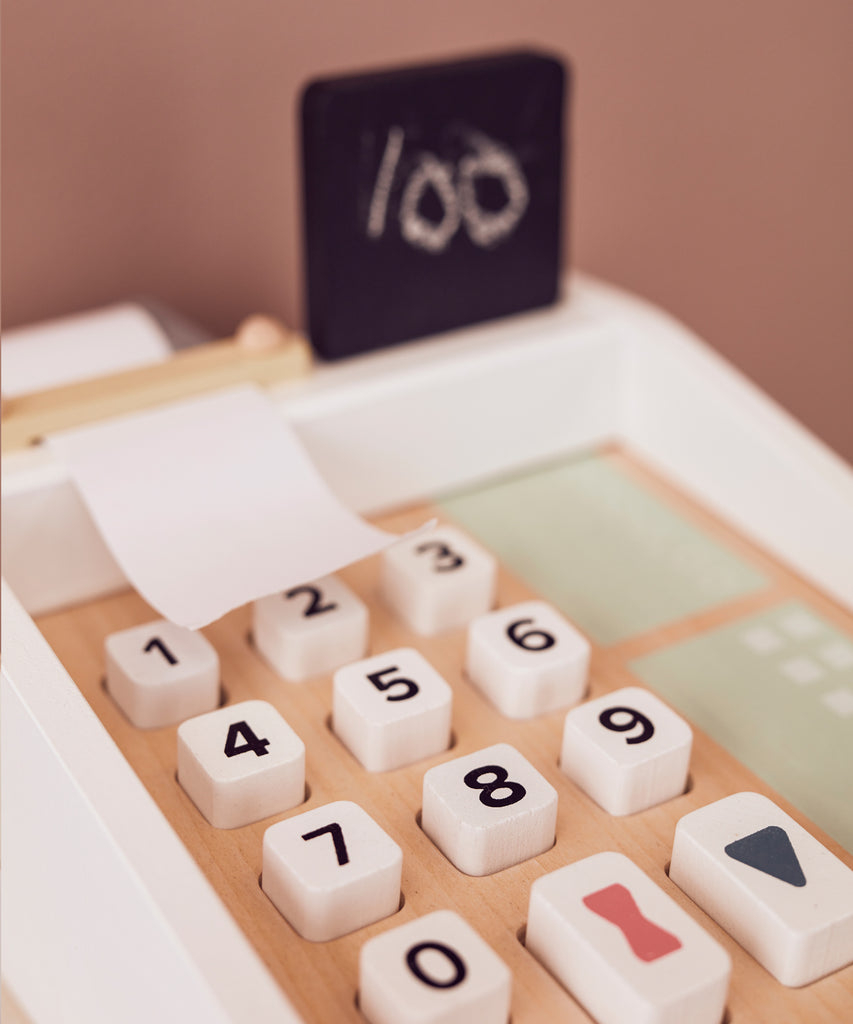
[331,870]
[785,898]
[438,580]
[433,970]
[627,750]
[310,629]
[489,810]
[624,948]
[160,673]
[241,763]
[392,709]
[527,659]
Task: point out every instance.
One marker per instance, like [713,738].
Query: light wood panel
[322,978]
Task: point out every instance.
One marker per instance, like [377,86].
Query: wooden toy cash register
[580,751]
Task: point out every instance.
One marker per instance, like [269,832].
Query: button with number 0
[433,970]
[392,709]
[438,580]
[241,763]
[160,673]
[627,750]
[310,629]
[488,810]
[331,870]
[527,659]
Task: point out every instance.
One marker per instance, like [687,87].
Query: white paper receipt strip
[210,503]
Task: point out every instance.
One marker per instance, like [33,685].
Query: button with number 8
[489,810]
[527,659]
[627,750]
[241,763]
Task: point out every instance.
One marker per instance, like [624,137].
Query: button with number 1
[241,763]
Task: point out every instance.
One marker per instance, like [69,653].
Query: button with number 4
[527,659]
[489,810]
[331,870]
[241,763]
[160,673]
[392,709]
[627,750]
[433,970]
[310,629]
[438,580]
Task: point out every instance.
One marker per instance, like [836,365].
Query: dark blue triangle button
[769,850]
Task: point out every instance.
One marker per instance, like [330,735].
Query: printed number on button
[433,970]
[310,629]
[392,709]
[489,810]
[438,580]
[331,870]
[241,763]
[627,750]
[527,659]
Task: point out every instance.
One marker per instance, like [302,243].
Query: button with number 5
[627,750]
[488,810]
[241,763]
[392,709]
[527,659]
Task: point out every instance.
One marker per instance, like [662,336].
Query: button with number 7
[331,870]
[241,763]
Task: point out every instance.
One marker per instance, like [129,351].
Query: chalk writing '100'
[455,188]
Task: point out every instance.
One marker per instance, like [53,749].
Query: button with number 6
[627,750]
[527,659]
[241,763]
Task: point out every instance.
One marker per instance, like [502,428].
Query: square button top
[777,890]
[438,580]
[159,673]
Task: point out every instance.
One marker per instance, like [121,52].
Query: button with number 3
[438,580]
[488,810]
[627,750]
[241,763]
[331,870]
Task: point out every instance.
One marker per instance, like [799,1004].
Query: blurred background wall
[149,149]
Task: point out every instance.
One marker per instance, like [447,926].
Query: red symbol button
[647,940]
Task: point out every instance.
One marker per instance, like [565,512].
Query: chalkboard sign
[432,198]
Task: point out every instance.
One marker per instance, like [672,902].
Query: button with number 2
[241,763]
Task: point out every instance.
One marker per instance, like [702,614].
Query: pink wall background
[149,149]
